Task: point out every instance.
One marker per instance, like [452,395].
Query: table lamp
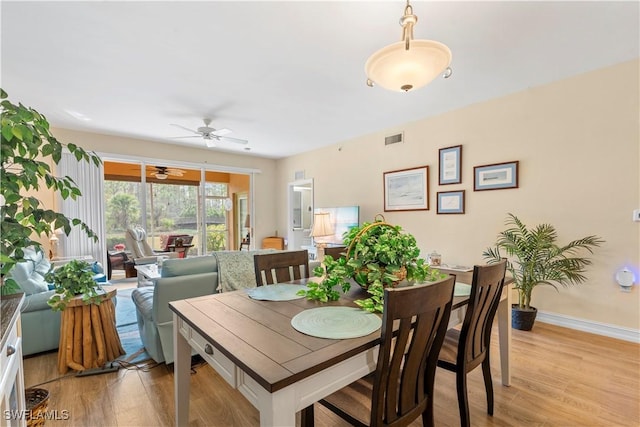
[54,241]
[322,227]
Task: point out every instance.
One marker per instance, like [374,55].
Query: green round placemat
[276,292]
[336,322]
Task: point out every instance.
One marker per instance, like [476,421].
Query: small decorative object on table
[435,259]
[378,255]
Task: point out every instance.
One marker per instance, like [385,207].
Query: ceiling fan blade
[182,127]
[229,139]
[211,143]
[190,136]
[222,132]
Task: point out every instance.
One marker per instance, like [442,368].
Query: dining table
[252,344]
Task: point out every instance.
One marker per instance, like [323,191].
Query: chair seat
[354,399]
[449,351]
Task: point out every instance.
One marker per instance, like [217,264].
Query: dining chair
[401,387]
[281,267]
[466,348]
[335,251]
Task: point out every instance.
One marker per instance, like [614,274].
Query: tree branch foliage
[26,143]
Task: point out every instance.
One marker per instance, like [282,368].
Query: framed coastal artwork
[406,189]
[450,202]
[498,176]
[449,165]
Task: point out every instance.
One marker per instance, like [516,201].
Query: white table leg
[277,409]
[504,333]
[181,371]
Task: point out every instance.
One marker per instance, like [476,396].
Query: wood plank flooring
[561,378]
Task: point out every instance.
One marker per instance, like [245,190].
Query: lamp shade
[399,69]
[322,225]
[247,221]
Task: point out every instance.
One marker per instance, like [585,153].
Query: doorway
[300,208]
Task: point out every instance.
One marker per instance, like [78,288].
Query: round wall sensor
[625,279]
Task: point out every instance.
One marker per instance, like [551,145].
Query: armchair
[141,252]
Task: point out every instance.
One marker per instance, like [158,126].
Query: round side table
[88,335]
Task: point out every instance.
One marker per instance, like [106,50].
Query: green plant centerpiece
[535,258]
[378,255]
[26,147]
[70,280]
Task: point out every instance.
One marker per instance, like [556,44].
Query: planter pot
[400,274]
[523,319]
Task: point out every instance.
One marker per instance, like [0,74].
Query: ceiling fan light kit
[163,172]
[408,64]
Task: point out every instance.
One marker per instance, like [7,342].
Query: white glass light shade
[395,68]
[162,176]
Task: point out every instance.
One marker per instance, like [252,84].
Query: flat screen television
[343,219]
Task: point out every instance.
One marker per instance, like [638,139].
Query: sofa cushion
[143,300]
[29,281]
[30,274]
[185,266]
[42,268]
[37,302]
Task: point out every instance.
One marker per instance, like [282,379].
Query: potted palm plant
[378,255]
[537,259]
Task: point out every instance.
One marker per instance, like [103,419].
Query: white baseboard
[613,331]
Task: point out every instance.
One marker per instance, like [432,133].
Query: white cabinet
[12,401]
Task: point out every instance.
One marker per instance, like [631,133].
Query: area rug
[127,326]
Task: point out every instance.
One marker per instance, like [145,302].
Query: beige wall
[264,181]
[577,141]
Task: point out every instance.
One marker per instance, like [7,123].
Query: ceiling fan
[164,172]
[211,135]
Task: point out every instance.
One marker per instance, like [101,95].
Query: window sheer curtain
[89,207]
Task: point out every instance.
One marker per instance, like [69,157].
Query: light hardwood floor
[561,377]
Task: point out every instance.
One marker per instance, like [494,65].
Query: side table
[88,335]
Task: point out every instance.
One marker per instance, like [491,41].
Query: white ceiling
[287,76]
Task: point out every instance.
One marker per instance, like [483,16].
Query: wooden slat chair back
[281,267]
[401,388]
[463,350]
[335,251]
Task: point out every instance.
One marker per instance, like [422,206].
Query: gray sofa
[187,278]
[40,324]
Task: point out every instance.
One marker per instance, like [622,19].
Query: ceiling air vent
[393,139]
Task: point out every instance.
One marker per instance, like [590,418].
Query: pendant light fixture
[408,64]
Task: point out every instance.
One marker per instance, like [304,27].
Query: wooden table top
[107,293]
[258,337]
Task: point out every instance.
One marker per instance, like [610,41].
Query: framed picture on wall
[497,176]
[449,165]
[450,202]
[406,189]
